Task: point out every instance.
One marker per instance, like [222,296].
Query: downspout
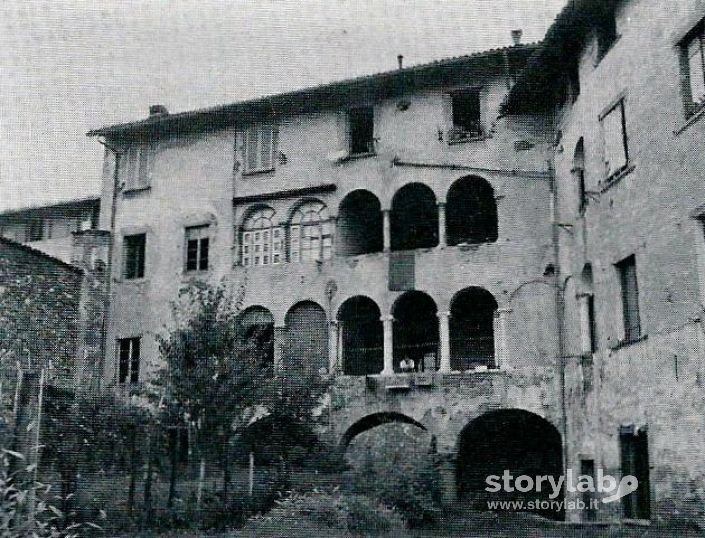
[559,299]
[109,263]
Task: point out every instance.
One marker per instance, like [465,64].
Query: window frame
[457,132]
[248,142]
[137,272]
[369,142]
[138,166]
[200,235]
[629,290]
[299,226]
[620,102]
[130,374]
[260,238]
[697,32]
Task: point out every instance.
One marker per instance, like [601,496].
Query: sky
[67,66]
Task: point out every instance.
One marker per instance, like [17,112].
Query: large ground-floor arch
[514,441]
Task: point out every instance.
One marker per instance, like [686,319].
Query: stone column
[442,224]
[501,345]
[280,334]
[444,334]
[387,324]
[585,328]
[386,231]
[333,350]
[446,469]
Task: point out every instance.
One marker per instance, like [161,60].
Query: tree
[221,385]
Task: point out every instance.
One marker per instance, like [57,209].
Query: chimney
[158,110]
[516,36]
[400,59]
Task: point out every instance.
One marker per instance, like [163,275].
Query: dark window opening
[467,120]
[630,298]
[592,323]
[307,339]
[415,331]
[587,468]
[579,173]
[574,78]
[256,327]
[129,360]
[414,218]
[634,447]
[693,65]
[134,252]
[361,130]
[361,336]
[471,212]
[197,243]
[35,230]
[472,329]
[359,224]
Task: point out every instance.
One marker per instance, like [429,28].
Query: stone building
[522,225]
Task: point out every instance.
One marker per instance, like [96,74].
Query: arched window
[261,239]
[310,233]
[471,212]
[359,222]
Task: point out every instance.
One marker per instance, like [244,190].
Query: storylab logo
[604,484]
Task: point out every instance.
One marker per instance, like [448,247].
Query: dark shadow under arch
[361,337]
[371,421]
[414,218]
[471,212]
[359,224]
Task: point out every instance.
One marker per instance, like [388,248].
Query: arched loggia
[414,218]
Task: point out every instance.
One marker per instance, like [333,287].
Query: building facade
[503,249]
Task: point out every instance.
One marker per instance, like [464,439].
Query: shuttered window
[616,155]
[260,143]
[696,70]
[137,167]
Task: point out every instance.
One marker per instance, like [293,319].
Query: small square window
[361,130]
[134,252]
[197,244]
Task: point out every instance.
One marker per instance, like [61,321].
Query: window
[261,240]
[260,148]
[361,130]
[134,250]
[310,233]
[614,134]
[35,230]
[128,360]
[694,64]
[606,31]
[466,115]
[630,298]
[138,164]
[197,242]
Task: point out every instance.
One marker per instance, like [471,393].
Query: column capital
[334,323]
[441,315]
[386,210]
[503,311]
[583,295]
[441,204]
[388,317]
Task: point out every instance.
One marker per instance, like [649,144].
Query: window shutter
[696,70]
[135,360]
[615,151]
[295,244]
[276,245]
[251,149]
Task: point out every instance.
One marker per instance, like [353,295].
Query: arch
[414,218]
[256,335]
[472,312]
[359,224]
[579,173]
[309,232]
[513,440]
[260,238]
[306,338]
[360,336]
[471,212]
[371,421]
[416,330]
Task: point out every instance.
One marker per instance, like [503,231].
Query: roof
[564,40]
[44,255]
[334,94]
[67,204]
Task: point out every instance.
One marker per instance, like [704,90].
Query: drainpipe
[109,263]
[559,304]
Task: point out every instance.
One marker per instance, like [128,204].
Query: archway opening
[256,327]
[516,442]
[414,218]
[472,312]
[360,336]
[471,212]
[359,224]
[307,339]
[416,331]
